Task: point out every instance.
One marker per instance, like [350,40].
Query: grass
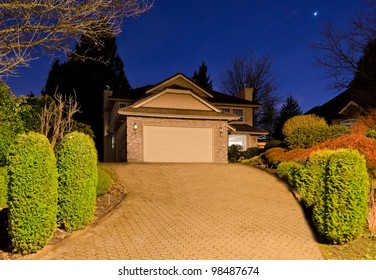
[363,248]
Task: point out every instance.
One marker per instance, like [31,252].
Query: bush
[251,152]
[252,161]
[336,131]
[371,133]
[77,165]
[33,183]
[341,211]
[302,121]
[306,136]
[288,171]
[234,153]
[275,144]
[104,180]
[3,187]
[274,156]
[311,179]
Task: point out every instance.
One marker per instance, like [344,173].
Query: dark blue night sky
[177,35]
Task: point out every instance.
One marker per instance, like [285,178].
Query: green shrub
[104,180]
[371,133]
[32,194]
[288,171]
[3,187]
[251,152]
[78,178]
[307,136]
[274,144]
[234,153]
[302,121]
[340,214]
[252,161]
[311,179]
[336,131]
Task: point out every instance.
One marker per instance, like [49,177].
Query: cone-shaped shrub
[32,175]
[3,187]
[78,177]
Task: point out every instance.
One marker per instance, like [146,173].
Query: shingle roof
[240,127]
[331,109]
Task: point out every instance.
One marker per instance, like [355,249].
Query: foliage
[340,213]
[252,161]
[306,136]
[3,187]
[274,143]
[289,109]
[274,156]
[104,180]
[10,121]
[32,199]
[371,133]
[251,152]
[86,80]
[77,165]
[302,121]
[234,153]
[310,180]
[336,131]
[29,27]
[288,171]
[202,78]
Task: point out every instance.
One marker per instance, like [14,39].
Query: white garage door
[178,144]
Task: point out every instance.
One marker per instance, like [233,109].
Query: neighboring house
[176,121]
[345,107]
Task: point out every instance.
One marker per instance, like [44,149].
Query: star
[315,13]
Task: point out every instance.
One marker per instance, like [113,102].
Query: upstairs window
[226,110]
[238,112]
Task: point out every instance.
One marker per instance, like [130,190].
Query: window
[113,142]
[238,112]
[226,110]
[349,122]
[122,105]
[236,139]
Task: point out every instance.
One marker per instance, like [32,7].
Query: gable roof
[334,108]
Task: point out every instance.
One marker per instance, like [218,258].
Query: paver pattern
[196,211]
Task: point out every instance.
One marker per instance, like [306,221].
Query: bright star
[315,14]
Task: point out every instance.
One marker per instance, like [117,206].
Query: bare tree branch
[29,27]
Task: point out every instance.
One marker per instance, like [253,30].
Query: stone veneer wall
[135,137]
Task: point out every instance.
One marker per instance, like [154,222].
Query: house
[176,121]
[345,107]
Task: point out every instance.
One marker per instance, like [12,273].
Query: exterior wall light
[220,131]
[135,126]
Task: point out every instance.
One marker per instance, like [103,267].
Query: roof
[332,109]
[240,127]
[222,98]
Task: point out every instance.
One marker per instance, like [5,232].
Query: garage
[177,144]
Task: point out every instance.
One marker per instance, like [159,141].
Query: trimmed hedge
[335,184]
[77,165]
[274,156]
[341,212]
[104,180]
[33,182]
[288,171]
[3,187]
[302,121]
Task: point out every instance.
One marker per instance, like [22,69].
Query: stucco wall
[135,136]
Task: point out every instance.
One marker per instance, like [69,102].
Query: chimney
[246,93]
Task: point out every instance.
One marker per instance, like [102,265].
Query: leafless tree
[255,72]
[29,27]
[56,118]
[343,49]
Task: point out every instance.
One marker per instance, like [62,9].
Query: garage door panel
[178,144]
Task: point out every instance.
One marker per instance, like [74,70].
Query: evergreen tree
[86,79]
[202,78]
[288,110]
[365,75]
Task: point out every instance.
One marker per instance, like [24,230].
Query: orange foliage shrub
[364,122]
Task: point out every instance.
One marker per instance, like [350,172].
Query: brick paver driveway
[196,211]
